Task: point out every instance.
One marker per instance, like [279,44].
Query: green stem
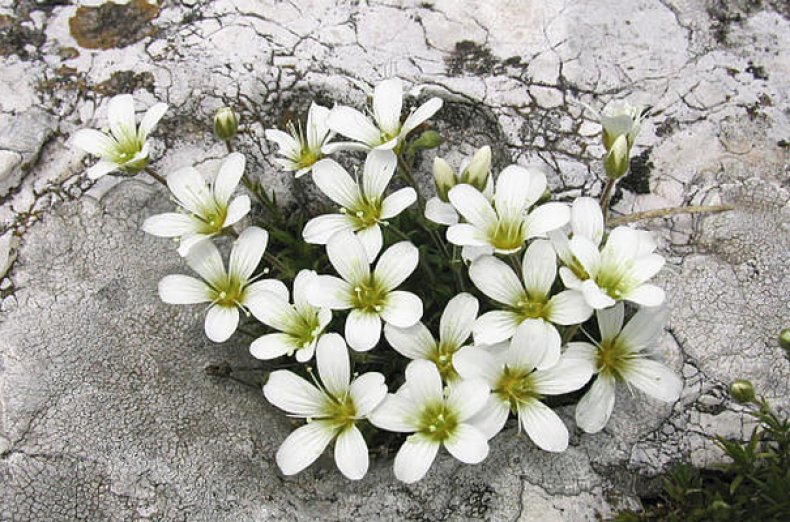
[155,175]
[606,197]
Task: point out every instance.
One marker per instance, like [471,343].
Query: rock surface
[106,412]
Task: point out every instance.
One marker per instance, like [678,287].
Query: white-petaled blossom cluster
[540,272]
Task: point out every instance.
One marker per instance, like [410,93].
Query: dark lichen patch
[666,127]
[16,38]
[725,13]
[125,81]
[758,71]
[112,25]
[638,178]
[470,58]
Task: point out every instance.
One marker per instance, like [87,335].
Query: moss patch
[112,25]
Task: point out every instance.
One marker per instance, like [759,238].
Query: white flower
[300,324]
[387,132]
[475,173]
[227,291]
[623,356]
[331,409]
[620,120]
[527,299]
[301,148]
[362,207]
[371,296]
[126,148]
[421,407]
[206,208]
[455,327]
[619,271]
[504,227]
[517,384]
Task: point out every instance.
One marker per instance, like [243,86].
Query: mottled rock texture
[106,411]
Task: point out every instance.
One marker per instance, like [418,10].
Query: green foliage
[753,486]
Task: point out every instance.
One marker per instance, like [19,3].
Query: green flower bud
[476,174]
[429,139]
[784,339]
[616,161]
[444,177]
[742,391]
[226,123]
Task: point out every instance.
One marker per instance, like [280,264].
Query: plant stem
[664,212]
[606,197]
[398,232]
[286,272]
[151,172]
[569,333]
[229,146]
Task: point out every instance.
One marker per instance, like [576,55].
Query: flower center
[437,422]
[307,329]
[365,214]
[515,386]
[212,219]
[369,296]
[307,157]
[229,293]
[442,357]
[508,235]
[535,307]
[613,282]
[341,411]
[613,357]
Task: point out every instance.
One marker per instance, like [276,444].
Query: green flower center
[507,235]
[365,213]
[229,292]
[437,422]
[125,150]
[613,358]
[515,386]
[307,329]
[613,281]
[341,411]
[442,357]
[532,307]
[212,219]
[369,296]
[307,157]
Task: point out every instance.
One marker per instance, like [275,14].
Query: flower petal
[545,218]
[238,208]
[515,188]
[353,124]
[466,235]
[120,113]
[334,367]
[204,259]
[351,454]
[402,309]
[569,307]
[570,373]
[473,206]
[247,251]
[363,330]
[422,114]
[93,142]
[587,219]
[286,144]
[536,344]
[169,224]
[491,418]
[377,173]
[497,280]
[396,264]
[302,283]
[644,328]
[495,326]
[424,382]
[397,202]
[317,128]
[467,444]
[414,342]
[414,458]
[595,407]
[539,267]
[372,240]
[610,321]
[293,394]
[230,172]
[271,346]
[304,446]
[543,426]
[274,311]
[473,362]
[150,120]
[190,239]
[338,146]
[330,292]
[646,295]
[395,413]
[221,322]
[440,212]
[387,104]
[367,391]
[467,397]
[101,168]
[319,229]
[457,319]
[334,181]
[348,257]
[654,378]
[190,189]
[595,297]
[586,253]
[182,289]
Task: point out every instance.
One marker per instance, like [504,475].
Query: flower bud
[476,174]
[226,123]
[616,161]
[784,340]
[742,391]
[444,177]
[429,139]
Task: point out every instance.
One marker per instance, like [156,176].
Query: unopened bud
[444,177]
[742,391]
[476,174]
[615,162]
[429,139]
[784,339]
[226,123]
